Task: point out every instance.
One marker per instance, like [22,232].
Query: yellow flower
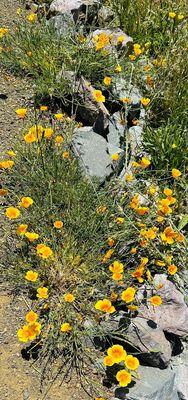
[42,293]
[58,224]
[21,112]
[3,32]
[117,276]
[59,116]
[149,81]
[99,398]
[172,269]
[180,17]
[142,210]
[29,53]
[59,139]
[66,327]
[167,192]
[118,68]
[43,108]
[105,305]
[107,255]
[163,207]
[123,377]
[137,49]
[111,242]
[31,236]
[132,362]
[69,297]
[48,132]
[132,308]
[30,138]
[26,202]
[129,177]
[133,250]
[29,332]
[128,295]
[21,230]
[145,101]
[31,316]
[116,267]
[120,39]
[132,57]
[174,145]
[98,96]
[160,263]
[31,276]
[126,100]
[37,131]
[135,164]
[107,80]
[101,209]
[134,201]
[6,164]
[172,14]
[108,361]
[146,68]
[138,274]
[115,157]
[11,153]
[155,300]
[160,220]
[44,251]
[66,154]
[168,235]
[117,353]
[32,17]
[102,40]
[3,192]
[120,220]
[12,212]
[150,233]
[176,173]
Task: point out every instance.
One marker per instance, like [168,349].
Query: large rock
[149,339]
[63,24]
[116,130]
[76,7]
[154,384]
[92,151]
[179,365]
[172,315]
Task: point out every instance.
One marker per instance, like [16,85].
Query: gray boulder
[92,151]
[172,315]
[116,130]
[63,24]
[76,7]
[154,384]
[179,365]
[149,339]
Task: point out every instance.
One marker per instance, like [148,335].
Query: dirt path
[18,379]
